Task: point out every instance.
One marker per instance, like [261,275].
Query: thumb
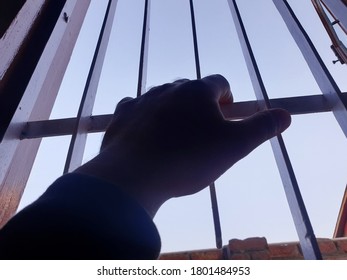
[262,126]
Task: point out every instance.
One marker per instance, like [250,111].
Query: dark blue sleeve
[81,217]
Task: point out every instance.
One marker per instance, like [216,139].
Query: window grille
[28,95]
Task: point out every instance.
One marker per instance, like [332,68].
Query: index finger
[220,87]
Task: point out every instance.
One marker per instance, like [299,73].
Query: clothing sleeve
[81,217]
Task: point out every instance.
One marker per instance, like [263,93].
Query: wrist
[126,173]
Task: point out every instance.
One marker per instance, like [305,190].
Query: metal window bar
[331,100]
[337,46]
[38,92]
[339,9]
[141,84]
[318,69]
[213,195]
[79,136]
[297,207]
[294,105]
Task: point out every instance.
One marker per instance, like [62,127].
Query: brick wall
[257,248]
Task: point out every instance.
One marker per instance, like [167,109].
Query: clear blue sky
[250,195]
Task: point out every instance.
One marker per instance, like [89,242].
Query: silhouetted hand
[174,140]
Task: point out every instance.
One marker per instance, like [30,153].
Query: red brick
[326,246]
[341,244]
[284,250]
[175,256]
[213,254]
[287,258]
[260,255]
[258,249]
[249,244]
[335,257]
[240,256]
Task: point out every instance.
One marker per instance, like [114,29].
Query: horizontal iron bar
[319,71]
[98,123]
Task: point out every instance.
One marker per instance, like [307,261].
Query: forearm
[80,217]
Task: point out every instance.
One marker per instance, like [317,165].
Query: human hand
[174,140]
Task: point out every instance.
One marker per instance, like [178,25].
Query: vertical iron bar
[319,71]
[303,225]
[216,218]
[79,137]
[213,195]
[141,85]
[195,41]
